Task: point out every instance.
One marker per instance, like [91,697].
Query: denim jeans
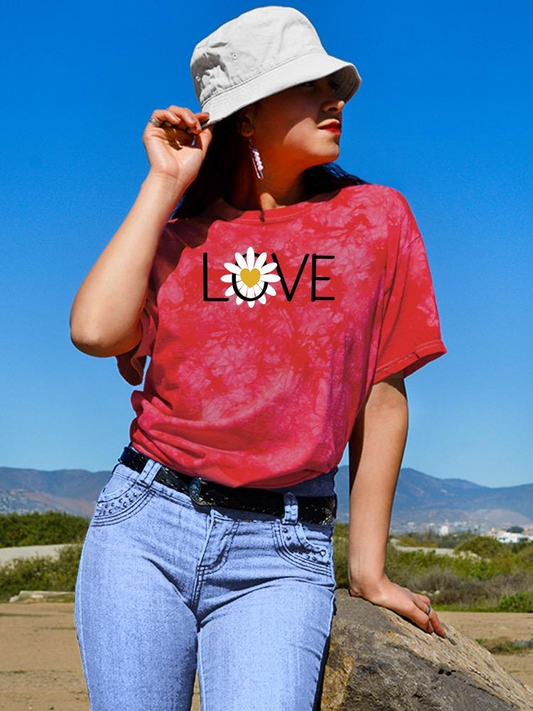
[166,587]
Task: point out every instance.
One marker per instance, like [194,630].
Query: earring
[256,160]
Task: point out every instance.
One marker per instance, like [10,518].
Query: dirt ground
[40,665]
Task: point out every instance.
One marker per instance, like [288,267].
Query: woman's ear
[245,120]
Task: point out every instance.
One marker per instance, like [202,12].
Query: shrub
[41,573]
[520,601]
[447,587]
[41,529]
[483,546]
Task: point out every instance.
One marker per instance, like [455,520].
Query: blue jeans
[166,586]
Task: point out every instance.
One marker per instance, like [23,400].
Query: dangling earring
[256,160]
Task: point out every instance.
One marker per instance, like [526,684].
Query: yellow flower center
[250,278]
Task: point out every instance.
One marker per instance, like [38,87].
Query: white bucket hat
[260,52]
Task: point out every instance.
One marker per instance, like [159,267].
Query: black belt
[316,509]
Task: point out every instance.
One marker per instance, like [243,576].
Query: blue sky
[441,115]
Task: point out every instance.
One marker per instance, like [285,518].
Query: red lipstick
[333,125]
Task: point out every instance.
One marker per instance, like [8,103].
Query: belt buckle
[195,492]
[329,514]
[328,518]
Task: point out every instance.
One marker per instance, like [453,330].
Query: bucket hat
[258,53]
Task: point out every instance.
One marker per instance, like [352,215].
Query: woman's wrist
[361,583]
[172,187]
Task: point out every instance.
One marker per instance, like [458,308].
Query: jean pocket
[122,496]
[305,544]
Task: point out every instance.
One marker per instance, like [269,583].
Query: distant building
[507,537]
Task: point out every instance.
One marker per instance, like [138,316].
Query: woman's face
[287,125]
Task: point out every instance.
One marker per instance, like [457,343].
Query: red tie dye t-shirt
[267,328]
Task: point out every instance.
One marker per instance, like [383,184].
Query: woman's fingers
[189,120]
[418,616]
[404,602]
[176,143]
[180,118]
[168,119]
[432,621]
[435,624]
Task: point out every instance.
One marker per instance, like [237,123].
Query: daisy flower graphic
[250,278]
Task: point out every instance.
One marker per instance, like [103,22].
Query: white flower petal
[232,268]
[269,267]
[241,261]
[261,259]
[250,258]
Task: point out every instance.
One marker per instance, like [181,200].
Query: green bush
[525,553]
[41,573]
[41,529]
[412,540]
[520,601]
[431,539]
[446,587]
[484,546]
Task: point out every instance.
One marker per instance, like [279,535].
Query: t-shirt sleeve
[131,364]
[410,333]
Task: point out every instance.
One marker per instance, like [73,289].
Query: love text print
[251,278]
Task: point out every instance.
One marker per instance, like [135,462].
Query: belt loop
[149,472]
[291,508]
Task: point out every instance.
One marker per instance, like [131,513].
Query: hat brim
[298,70]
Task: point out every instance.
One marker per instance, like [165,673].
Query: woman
[281,304]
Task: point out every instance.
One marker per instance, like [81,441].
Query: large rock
[379,660]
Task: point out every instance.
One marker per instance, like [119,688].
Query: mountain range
[420,501]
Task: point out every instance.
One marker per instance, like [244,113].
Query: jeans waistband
[316,509]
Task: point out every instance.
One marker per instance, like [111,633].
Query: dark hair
[219,170]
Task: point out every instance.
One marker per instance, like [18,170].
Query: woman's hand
[170,146]
[401,600]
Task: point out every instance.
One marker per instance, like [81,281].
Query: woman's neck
[261,196]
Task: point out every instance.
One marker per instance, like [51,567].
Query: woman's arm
[376,450]
[104,318]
